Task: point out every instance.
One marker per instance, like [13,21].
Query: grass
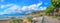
[55,17]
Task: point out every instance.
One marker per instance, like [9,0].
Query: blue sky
[15,7]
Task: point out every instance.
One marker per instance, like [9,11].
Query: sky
[21,7]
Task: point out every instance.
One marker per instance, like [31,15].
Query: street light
[54,11]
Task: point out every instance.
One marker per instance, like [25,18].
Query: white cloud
[39,4]
[31,7]
[4,6]
[42,8]
[24,8]
[12,9]
[1,0]
[17,9]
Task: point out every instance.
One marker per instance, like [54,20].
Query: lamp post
[54,11]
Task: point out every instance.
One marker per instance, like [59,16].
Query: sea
[2,17]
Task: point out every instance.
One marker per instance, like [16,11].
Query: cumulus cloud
[17,9]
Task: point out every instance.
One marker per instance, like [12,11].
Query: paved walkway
[54,20]
[49,20]
[58,21]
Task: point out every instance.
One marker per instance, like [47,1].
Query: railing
[44,20]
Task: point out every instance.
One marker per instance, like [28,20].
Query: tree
[55,3]
[49,9]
